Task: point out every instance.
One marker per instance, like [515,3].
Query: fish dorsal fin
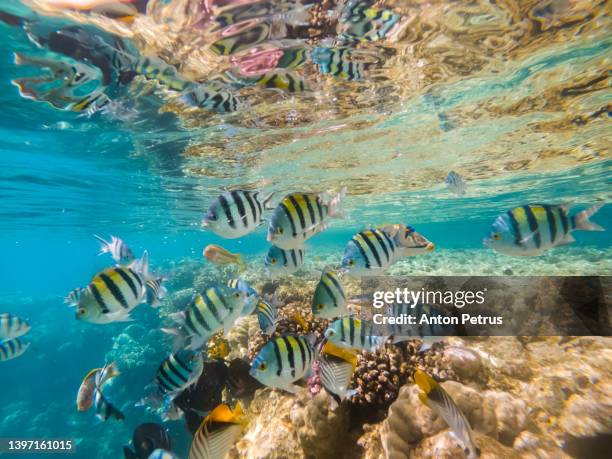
[347,355]
[90,374]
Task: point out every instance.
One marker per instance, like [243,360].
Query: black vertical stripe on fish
[382,243]
[241,209]
[362,335]
[564,221]
[299,211]
[135,276]
[227,211]
[293,257]
[249,199]
[99,299]
[199,317]
[211,306]
[178,375]
[373,248]
[311,211]
[320,208]
[552,223]
[363,254]
[388,239]
[339,288]
[352,330]
[259,206]
[127,280]
[279,360]
[284,254]
[342,331]
[11,345]
[533,225]
[330,293]
[302,352]
[182,364]
[170,381]
[518,240]
[115,291]
[290,355]
[286,210]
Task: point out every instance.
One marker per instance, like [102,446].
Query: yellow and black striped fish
[354,333]
[282,361]
[12,348]
[293,57]
[370,251]
[299,216]
[267,316]
[534,228]
[285,81]
[361,21]
[178,371]
[218,433]
[281,262]
[113,293]
[12,326]
[214,309]
[153,68]
[329,298]
[211,97]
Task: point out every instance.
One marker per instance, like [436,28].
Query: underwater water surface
[133,124]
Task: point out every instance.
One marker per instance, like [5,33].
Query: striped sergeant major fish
[455,183]
[251,294]
[426,332]
[282,361]
[162,454]
[299,216]
[179,371]
[12,348]
[329,299]
[267,316]
[336,367]
[281,262]
[236,213]
[293,57]
[338,63]
[155,291]
[360,21]
[373,250]
[118,249]
[435,397]
[532,229]
[113,293]
[245,39]
[105,410]
[214,309]
[12,326]
[218,432]
[291,13]
[211,97]
[353,333]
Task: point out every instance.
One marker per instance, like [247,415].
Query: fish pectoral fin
[529,237]
[566,240]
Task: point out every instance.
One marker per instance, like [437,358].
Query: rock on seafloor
[287,426]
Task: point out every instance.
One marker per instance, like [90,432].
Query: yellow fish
[218,433]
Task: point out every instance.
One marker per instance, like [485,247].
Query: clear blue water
[65,177]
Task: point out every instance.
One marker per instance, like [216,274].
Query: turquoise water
[64,177]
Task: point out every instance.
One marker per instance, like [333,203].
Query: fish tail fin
[581,219]
[104,245]
[334,204]
[141,266]
[266,202]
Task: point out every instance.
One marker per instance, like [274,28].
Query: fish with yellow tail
[441,403]
[283,361]
[530,230]
[372,251]
[218,433]
[85,395]
[336,368]
[114,292]
[220,256]
[299,216]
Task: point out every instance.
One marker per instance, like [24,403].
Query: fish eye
[211,215]
[262,366]
[237,295]
[280,230]
[81,311]
[351,262]
[320,306]
[331,332]
[273,261]
[496,236]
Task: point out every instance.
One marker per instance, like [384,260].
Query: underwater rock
[293,426]
[239,335]
[465,363]
[511,414]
